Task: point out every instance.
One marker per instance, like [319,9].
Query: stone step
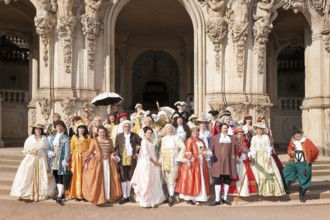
[5,189]
[10,162]
[12,156]
[325,172]
[8,168]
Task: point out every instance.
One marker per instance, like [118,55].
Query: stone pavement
[318,196]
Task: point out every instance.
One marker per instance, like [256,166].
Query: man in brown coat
[223,148]
[126,150]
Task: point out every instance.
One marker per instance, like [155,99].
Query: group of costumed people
[187,153]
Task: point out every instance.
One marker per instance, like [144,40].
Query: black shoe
[63,197]
[225,202]
[78,200]
[215,203]
[170,201]
[190,202]
[302,193]
[123,201]
[287,186]
[129,199]
[59,200]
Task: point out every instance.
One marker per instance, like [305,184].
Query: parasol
[107,98]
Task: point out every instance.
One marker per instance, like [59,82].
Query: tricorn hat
[181,103]
[225,113]
[214,112]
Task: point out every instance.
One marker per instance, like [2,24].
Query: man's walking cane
[240,190]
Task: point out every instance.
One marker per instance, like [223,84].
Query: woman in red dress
[194,181]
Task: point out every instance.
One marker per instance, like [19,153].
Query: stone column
[2,144]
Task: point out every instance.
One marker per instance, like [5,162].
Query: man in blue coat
[59,154]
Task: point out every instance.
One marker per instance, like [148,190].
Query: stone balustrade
[14,96]
[290,103]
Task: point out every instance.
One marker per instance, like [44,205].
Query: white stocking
[170,189]
[128,190]
[124,188]
[217,189]
[60,189]
[226,188]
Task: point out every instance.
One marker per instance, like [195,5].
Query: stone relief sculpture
[66,24]
[45,107]
[91,27]
[69,109]
[326,26]
[296,5]
[45,21]
[216,27]
[238,20]
[264,14]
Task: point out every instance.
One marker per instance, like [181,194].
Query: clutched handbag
[67,179]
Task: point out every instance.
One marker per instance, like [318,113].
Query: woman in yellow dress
[79,145]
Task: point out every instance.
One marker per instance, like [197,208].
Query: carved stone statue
[216,27]
[45,21]
[263,16]
[326,18]
[238,19]
[91,27]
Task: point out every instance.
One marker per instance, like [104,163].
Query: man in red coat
[302,153]
[214,125]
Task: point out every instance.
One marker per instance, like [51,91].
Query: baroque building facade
[258,57]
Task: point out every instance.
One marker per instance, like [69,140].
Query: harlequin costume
[302,154]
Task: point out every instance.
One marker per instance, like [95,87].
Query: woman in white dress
[264,168]
[146,180]
[33,180]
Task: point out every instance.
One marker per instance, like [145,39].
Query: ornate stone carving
[45,107]
[262,110]
[264,14]
[66,25]
[238,20]
[216,28]
[326,26]
[69,109]
[318,5]
[295,5]
[45,21]
[217,106]
[91,27]
[33,117]
[239,111]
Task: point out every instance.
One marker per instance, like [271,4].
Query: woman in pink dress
[146,180]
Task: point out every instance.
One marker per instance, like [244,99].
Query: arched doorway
[127,54]
[156,78]
[159,38]
[16,54]
[286,66]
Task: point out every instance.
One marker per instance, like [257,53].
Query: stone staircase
[319,192]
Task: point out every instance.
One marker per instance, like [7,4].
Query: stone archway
[196,15]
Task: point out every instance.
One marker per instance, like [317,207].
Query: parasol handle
[157,104]
[240,190]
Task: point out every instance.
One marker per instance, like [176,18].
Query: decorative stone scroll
[66,25]
[264,14]
[45,21]
[91,26]
[326,26]
[295,5]
[238,20]
[45,107]
[69,109]
[216,28]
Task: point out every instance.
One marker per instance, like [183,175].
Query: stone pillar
[317,98]
[125,77]
[2,144]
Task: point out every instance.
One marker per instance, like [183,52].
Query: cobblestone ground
[47,210]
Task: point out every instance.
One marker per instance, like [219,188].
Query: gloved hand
[25,152]
[51,154]
[64,163]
